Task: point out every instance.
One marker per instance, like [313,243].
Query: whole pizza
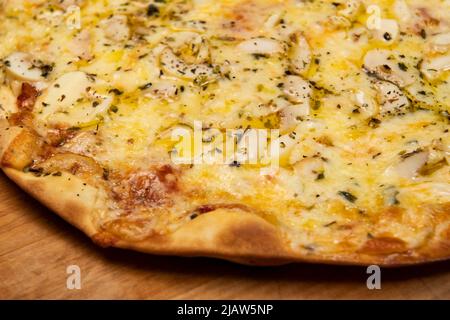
[257,131]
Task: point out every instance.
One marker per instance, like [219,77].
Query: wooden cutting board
[36,247]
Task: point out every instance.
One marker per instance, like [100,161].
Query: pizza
[258,131]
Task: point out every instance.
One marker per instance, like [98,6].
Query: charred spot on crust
[149,188]
[104,239]
[257,238]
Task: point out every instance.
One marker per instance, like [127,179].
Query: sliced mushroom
[297,90]
[190,46]
[391,98]
[292,115]
[411,164]
[432,68]
[260,46]
[23,67]
[65,91]
[116,28]
[173,65]
[366,102]
[402,11]
[300,55]
[41,85]
[272,106]
[273,20]
[436,158]
[83,143]
[440,42]
[382,64]
[388,31]
[71,101]
[80,46]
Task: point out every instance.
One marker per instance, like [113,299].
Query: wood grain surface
[36,247]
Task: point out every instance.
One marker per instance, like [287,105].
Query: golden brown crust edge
[67,195]
[228,234]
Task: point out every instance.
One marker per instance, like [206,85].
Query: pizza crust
[230,234]
[67,195]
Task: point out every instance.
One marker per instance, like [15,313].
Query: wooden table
[36,247]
